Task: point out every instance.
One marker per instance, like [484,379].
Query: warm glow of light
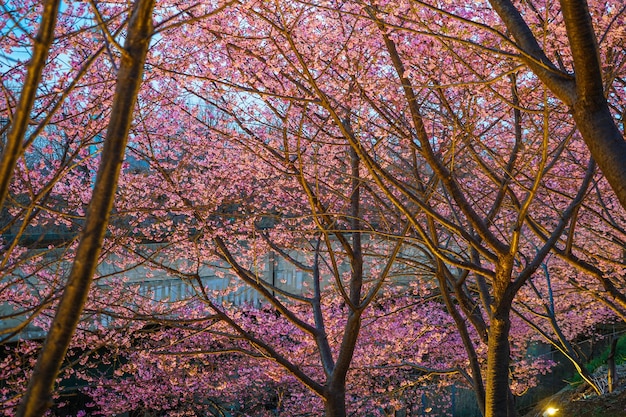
[551,411]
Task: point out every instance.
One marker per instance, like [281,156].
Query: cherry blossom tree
[354,140]
[397,364]
[580,81]
[76,290]
[502,238]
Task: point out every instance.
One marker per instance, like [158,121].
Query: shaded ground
[581,402]
[609,405]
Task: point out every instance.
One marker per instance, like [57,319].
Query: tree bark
[591,111]
[335,401]
[498,399]
[605,142]
[37,398]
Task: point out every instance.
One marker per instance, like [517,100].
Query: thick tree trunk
[37,398]
[498,401]
[498,397]
[335,401]
[585,92]
[605,142]
[591,112]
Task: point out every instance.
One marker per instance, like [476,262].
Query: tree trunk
[37,398]
[335,401]
[605,142]
[585,93]
[498,401]
[19,124]
[591,112]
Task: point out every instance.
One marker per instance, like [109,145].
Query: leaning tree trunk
[37,398]
[591,111]
[605,142]
[584,93]
[19,124]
